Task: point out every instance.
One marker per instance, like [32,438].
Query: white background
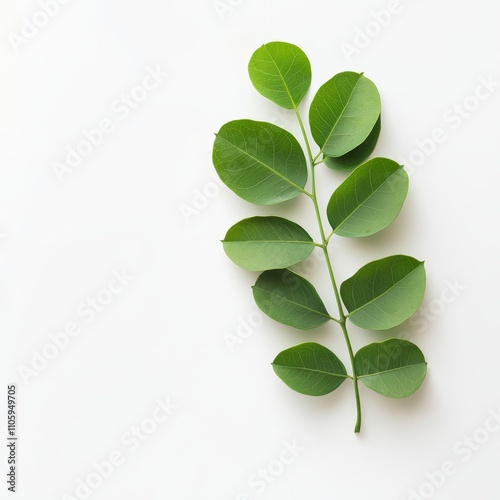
[165,335]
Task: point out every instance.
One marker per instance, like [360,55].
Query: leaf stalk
[324,246]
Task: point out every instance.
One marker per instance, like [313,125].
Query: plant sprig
[265,165]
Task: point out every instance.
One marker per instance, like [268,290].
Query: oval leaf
[384,293]
[261,243]
[310,369]
[358,155]
[394,368]
[344,112]
[260,162]
[281,72]
[290,299]
[369,199]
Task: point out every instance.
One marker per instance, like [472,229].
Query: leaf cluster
[265,165]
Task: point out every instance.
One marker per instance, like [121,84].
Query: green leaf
[384,293]
[310,369]
[260,162]
[369,199]
[290,299]
[344,112]
[359,154]
[394,368]
[281,72]
[261,243]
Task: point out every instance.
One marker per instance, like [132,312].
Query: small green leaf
[344,112]
[359,154]
[384,293]
[369,199]
[260,162]
[394,368]
[281,72]
[290,299]
[310,369]
[261,243]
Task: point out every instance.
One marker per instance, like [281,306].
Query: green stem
[317,156]
[324,245]
[304,134]
[357,427]
[329,236]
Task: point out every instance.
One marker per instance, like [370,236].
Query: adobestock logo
[247,325]
[465,448]
[267,475]
[60,340]
[121,109]
[245,328]
[437,306]
[315,261]
[30,27]
[201,199]
[223,7]
[131,440]
[364,36]
[454,117]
